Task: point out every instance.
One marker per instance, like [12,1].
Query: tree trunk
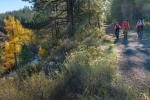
[70,16]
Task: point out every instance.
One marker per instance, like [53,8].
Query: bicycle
[140,33]
[125,33]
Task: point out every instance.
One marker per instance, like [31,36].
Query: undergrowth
[89,73]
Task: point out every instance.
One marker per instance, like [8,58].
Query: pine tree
[26,55]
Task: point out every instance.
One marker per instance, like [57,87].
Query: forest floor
[133,59]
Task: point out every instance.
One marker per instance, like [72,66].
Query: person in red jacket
[125,29]
[117,30]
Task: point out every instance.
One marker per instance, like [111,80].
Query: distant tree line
[25,15]
[130,10]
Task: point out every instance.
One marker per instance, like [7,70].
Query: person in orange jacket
[126,27]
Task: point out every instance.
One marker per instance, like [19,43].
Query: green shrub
[37,87]
[147,23]
[2,70]
[8,90]
[92,75]
[89,70]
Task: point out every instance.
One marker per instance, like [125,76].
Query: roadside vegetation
[63,53]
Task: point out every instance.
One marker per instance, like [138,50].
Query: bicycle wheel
[125,35]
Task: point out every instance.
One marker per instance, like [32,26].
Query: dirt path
[133,58]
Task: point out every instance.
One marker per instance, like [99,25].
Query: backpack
[140,23]
[117,26]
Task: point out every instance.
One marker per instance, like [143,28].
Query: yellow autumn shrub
[17,36]
[42,52]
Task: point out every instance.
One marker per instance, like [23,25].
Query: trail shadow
[135,53]
[146,52]
[147,65]
[127,65]
[125,42]
[116,41]
[130,52]
[146,43]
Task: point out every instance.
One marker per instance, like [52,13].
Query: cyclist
[140,27]
[125,29]
[117,30]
